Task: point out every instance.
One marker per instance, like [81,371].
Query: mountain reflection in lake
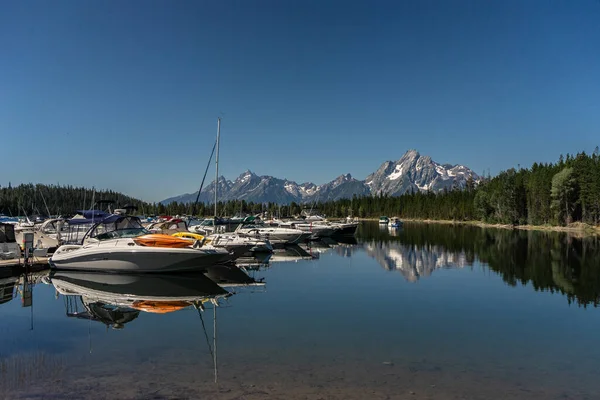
[424,312]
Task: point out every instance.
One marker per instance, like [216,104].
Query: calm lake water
[426,312]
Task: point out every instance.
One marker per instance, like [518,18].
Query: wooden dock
[16,266]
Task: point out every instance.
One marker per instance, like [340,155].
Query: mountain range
[411,173]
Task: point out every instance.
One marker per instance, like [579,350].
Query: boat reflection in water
[115,299]
[291,253]
[256,261]
[20,286]
[230,275]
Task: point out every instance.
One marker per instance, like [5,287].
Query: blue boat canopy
[88,217]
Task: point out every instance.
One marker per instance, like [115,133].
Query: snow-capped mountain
[412,172]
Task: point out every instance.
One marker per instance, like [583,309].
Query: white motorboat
[316,228]
[347,227]
[119,243]
[239,244]
[274,234]
[321,227]
[46,235]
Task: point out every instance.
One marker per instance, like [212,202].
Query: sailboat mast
[217,165]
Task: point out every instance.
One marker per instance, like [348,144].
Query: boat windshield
[119,227]
[255,225]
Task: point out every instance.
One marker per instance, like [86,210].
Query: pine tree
[563,188]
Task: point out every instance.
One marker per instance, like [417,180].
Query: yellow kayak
[188,235]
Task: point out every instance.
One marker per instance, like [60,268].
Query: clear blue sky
[125,94]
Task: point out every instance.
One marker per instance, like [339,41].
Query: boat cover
[7,233]
[88,217]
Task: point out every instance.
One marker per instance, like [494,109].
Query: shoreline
[578,228]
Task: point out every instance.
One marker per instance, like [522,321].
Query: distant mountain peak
[411,173]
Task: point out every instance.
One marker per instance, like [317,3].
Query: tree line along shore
[564,195]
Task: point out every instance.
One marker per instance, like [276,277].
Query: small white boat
[347,227]
[239,244]
[274,234]
[119,243]
[395,222]
[46,235]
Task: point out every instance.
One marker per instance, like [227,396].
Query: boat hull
[278,236]
[137,259]
[346,229]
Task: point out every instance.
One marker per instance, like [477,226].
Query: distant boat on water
[395,222]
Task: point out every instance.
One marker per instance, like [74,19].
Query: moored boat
[119,243]
[395,222]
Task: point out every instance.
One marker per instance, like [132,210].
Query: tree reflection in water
[551,261]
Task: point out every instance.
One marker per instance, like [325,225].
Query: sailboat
[237,244]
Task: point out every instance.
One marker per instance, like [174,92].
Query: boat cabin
[169,227]
[116,226]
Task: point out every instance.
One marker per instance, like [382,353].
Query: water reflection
[412,261]
[117,299]
[20,286]
[549,261]
[494,338]
[293,253]
[555,262]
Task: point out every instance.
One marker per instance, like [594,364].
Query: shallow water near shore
[424,312]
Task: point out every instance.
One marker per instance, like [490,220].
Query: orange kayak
[159,240]
[159,307]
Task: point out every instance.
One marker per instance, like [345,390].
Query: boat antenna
[217,168]
[93,202]
[203,178]
[45,204]
[93,198]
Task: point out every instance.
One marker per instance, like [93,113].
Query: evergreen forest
[560,193]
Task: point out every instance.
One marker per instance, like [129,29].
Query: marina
[300,200]
[299,322]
